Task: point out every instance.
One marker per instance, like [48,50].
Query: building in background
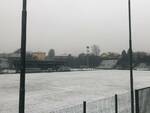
[4,63]
[39,55]
[110,55]
[51,53]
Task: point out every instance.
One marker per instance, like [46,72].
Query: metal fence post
[137,101]
[84,106]
[116,103]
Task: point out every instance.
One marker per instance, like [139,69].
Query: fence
[142,97]
[116,104]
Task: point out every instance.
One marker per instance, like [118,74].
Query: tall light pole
[23,57]
[131,58]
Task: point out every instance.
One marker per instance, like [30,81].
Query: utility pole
[131,59]
[23,57]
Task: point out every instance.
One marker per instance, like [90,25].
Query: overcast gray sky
[69,26]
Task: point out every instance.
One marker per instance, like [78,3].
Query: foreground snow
[47,91]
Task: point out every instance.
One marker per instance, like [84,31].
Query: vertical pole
[131,57]
[87,59]
[137,101]
[23,55]
[84,107]
[116,103]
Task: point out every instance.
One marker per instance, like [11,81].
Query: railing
[142,97]
[115,104]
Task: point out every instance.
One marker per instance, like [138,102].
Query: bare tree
[95,50]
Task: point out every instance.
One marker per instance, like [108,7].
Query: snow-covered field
[47,91]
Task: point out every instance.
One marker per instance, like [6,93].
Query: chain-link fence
[142,97]
[115,104]
[124,103]
[101,106]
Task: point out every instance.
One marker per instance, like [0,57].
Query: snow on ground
[47,91]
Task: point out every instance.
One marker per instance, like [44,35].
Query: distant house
[60,57]
[15,54]
[143,67]
[110,55]
[4,63]
[39,55]
[3,55]
[107,64]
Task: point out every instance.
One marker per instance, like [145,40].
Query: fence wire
[106,105]
[102,106]
[144,100]
[124,103]
[73,109]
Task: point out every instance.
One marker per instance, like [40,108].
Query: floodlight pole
[131,59]
[23,57]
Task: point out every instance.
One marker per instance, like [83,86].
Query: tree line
[138,57]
